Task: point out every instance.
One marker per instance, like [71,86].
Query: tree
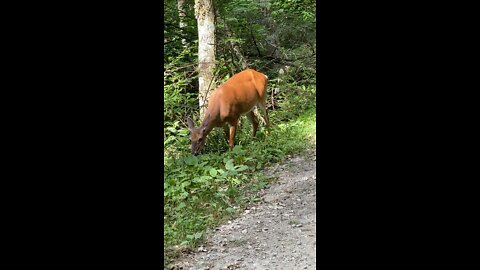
[204,12]
[237,58]
[271,34]
[181,17]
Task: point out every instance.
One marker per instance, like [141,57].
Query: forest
[205,43]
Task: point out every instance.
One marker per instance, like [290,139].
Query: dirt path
[277,233]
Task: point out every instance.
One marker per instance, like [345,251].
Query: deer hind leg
[253,120]
[227,131]
[263,108]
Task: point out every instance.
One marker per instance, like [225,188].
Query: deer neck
[208,122]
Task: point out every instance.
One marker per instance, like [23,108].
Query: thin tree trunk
[272,36]
[236,49]
[255,42]
[205,15]
[181,15]
[233,45]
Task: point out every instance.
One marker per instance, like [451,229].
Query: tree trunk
[181,15]
[205,15]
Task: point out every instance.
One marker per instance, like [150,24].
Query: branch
[255,42]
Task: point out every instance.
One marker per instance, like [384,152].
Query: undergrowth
[202,191]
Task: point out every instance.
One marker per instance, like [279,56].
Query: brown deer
[238,95]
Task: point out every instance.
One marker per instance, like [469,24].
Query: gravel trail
[279,232]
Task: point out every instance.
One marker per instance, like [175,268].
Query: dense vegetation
[274,37]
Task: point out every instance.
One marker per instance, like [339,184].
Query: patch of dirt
[277,233]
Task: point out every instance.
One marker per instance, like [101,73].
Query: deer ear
[190,123]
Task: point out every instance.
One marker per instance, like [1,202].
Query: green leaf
[181,205]
[238,150]
[198,235]
[229,165]
[230,210]
[202,179]
[241,168]
[168,140]
[171,129]
[191,160]
[213,172]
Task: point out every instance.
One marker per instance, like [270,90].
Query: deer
[237,96]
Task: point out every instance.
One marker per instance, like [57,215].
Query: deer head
[197,136]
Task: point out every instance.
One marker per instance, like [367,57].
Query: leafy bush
[200,191]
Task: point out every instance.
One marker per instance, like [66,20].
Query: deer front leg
[233,128]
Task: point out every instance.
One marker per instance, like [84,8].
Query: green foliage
[201,191]
[290,95]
